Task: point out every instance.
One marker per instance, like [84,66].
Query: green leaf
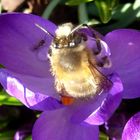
[28,138]
[7,135]
[104,9]
[77,2]
[121,11]
[103,136]
[6,99]
[136,7]
[124,15]
[114,3]
[93,22]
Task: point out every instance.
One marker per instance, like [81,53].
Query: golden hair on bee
[74,65]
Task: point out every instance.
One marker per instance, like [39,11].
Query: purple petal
[21,43]
[30,90]
[125,50]
[56,125]
[132,128]
[99,110]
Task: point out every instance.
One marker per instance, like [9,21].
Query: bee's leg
[105,62]
[66,100]
[99,47]
[97,38]
[102,56]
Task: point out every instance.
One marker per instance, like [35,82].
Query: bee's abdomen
[81,89]
[80,83]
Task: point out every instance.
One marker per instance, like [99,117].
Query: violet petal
[125,55]
[98,111]
[56,125]
[132,128]
[29,90]
[20,43]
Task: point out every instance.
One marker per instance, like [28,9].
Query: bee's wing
[103,82]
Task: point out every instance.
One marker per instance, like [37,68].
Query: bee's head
[68,37]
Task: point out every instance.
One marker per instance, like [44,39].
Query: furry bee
[74,65]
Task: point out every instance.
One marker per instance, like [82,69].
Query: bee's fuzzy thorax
[68,59]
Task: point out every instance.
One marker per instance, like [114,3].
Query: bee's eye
[79,37]
[77,40]
[84,37]
[71,44]
[55,45]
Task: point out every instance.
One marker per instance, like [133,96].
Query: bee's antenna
[76,28]
[44,30]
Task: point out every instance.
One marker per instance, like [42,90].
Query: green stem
[50,7]
[82,13]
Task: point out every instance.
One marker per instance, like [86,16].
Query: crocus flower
[132,128]
[26,76]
